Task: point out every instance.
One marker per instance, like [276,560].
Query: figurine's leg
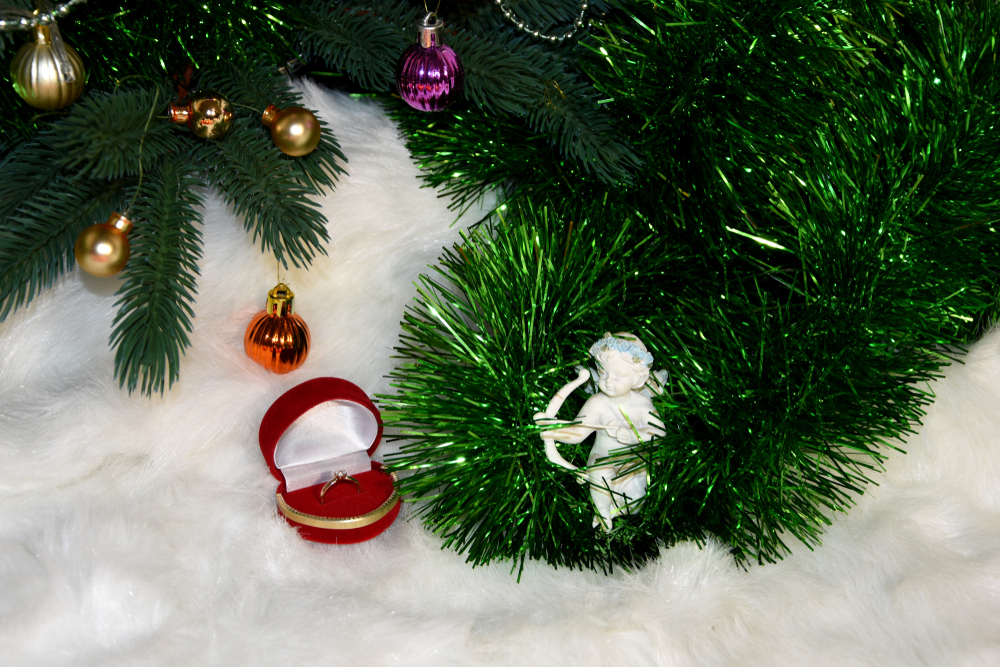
[600,481]
[628,492]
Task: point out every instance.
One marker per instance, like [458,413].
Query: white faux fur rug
[143,532]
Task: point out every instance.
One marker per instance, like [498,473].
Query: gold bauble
[276,338]
[294,130]
[38,77]
[102,250]
[208,113]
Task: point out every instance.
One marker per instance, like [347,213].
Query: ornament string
[156,99]
[246,107]
[429,12]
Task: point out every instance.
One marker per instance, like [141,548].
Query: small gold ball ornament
[102,250]
[276,338]
[40,79]
[208,113]
[294,130]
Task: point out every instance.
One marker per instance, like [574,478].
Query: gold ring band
[346,523]
[341,476]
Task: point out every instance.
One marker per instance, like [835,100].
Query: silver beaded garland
[520,25]
[10,22]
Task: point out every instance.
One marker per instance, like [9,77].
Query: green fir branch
[100,136]
[261,185]
[363,41]
[27,169]
[506,73]
[155,301]
[583,131]
[37,238]
[121,38]
[255,84]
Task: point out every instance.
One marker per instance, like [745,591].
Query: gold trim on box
[346,523]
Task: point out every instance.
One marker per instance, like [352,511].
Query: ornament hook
[51,34]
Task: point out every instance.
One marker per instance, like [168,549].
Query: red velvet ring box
[348,512]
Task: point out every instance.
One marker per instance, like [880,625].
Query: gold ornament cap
[43,35]
[279,300]
[270,114]
[179,113]
[120,222]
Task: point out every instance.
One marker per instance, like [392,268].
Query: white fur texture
[143,532]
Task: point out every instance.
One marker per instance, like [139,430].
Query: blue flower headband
[627,347]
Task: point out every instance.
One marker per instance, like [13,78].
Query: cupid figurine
[621,416]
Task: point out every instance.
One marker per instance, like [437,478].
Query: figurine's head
[623,363]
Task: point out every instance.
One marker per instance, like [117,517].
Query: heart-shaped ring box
[339,412]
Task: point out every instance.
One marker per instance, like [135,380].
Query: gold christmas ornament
[208,113]
[102,250]
[294,130]
[276,338]
[41,77]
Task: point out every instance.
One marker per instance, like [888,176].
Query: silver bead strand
[523,27]
[9,22]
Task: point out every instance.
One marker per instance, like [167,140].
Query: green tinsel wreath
[767,432]
[809,238]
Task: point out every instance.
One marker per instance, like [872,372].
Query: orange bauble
[276,338]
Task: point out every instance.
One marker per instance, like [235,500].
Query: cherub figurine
[622,418]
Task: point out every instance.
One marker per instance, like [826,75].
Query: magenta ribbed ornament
[429,74]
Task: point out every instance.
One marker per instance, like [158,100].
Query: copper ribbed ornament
[102,250]
[47,73]
[294,130]
[276,338]
[208,113]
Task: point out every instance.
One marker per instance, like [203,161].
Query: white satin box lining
[327,438]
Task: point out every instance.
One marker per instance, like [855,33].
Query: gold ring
[345,523]
[340,476]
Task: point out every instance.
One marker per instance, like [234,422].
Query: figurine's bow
[551,453]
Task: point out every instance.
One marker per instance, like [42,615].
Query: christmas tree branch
[155,301]
[365,42]
[255,84]
[505,73]
[100,136]
[36,239]
[584,132]
[26,170]
[263,188]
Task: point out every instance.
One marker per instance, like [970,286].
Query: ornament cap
[179,113]
[430,31]
[279,300]
[43,35]
[270,114]
[120,222]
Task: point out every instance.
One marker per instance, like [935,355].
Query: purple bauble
[429,74]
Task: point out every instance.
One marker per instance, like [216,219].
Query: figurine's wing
[655,385]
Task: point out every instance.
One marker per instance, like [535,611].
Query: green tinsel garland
[810,238]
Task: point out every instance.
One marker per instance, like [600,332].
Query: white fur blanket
[143,532]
